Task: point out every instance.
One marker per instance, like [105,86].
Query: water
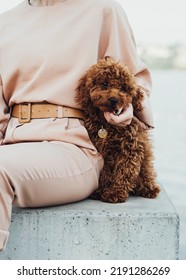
[169,107]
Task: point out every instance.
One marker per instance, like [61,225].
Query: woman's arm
[146,116]
[118,42]
[4,113]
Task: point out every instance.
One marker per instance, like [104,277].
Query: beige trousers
[45,173]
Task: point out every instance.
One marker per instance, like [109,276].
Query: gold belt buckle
[26,111]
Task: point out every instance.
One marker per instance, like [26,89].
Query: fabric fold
[4,235]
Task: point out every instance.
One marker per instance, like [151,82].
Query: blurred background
[159,29]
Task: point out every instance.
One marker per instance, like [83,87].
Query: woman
[46,156]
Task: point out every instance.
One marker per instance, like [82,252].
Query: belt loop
[60,111]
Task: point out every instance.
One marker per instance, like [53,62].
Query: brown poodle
[107,87]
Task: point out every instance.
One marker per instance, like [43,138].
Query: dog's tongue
[117,112]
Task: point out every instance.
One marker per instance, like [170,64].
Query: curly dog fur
[127,151]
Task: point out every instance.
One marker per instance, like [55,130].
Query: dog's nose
[113,100]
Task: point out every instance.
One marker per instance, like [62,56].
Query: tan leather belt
[27,111]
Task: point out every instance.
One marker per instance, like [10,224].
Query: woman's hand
[122,119]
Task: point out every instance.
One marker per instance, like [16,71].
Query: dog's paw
[149,192]
[113,196]
[153,193]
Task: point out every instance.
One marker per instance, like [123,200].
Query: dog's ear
[133,89]
[80,90]
[83,92]
[137,99]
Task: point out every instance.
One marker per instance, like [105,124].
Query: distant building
[164,57]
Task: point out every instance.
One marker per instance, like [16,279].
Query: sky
[159,22]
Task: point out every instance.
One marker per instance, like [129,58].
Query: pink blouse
[45,49]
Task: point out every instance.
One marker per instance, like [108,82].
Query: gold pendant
[102,133]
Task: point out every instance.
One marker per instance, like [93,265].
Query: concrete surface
[138,229]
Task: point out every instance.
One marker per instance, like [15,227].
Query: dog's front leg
[110,187]
[116,184]
[124,181]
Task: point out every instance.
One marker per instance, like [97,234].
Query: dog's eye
[123,88]
[94,82]
[105,85]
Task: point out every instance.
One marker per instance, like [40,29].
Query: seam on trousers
[56,177]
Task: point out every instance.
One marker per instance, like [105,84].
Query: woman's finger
[121,120]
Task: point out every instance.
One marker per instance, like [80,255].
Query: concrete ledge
[138,229]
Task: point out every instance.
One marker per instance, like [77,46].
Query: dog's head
[108,85]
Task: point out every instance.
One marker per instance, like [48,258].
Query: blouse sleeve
[117,41]
[4,113]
